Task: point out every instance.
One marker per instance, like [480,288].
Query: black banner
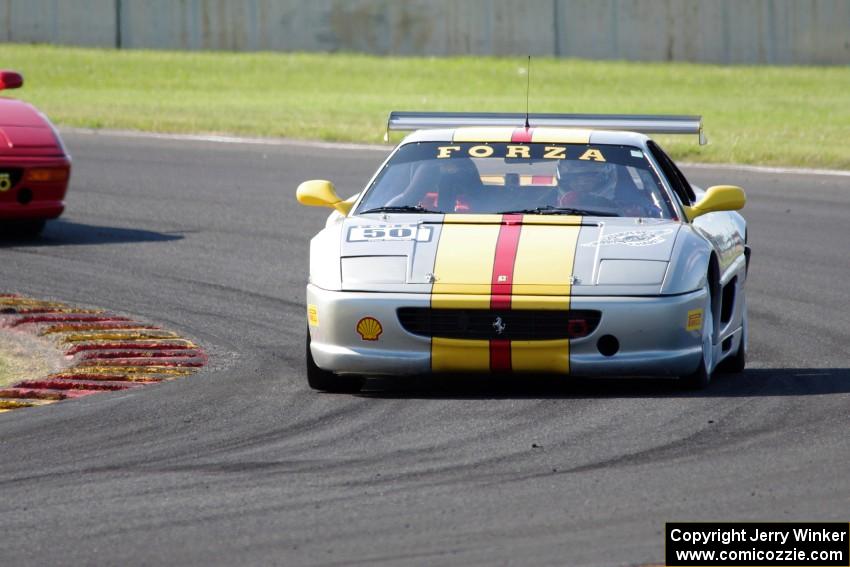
[761,544]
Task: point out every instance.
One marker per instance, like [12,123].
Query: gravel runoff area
[23,355]
[100,351]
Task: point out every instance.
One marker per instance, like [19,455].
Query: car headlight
[631,272]
[374,269]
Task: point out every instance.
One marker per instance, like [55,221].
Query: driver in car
[447,186]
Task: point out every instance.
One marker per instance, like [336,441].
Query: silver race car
[557,244]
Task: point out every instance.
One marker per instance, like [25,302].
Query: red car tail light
[46,174]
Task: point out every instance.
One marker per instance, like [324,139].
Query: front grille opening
[486,324]
[728,301]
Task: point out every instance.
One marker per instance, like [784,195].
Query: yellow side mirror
[718,198]
[321,193]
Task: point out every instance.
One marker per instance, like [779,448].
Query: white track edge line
[768,169]
[227,139]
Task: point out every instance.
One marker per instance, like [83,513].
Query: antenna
[527,89]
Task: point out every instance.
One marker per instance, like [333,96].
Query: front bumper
[652,332]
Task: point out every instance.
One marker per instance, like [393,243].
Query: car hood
[485,254]
[24,131]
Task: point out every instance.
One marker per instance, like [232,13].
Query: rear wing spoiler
[643,123]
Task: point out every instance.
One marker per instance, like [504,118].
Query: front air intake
[486,324]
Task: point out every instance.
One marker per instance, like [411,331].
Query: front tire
[701,378]
[326,381]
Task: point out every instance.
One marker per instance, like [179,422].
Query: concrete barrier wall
[718,31]
[70,22]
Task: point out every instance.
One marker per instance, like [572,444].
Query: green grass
[759,115]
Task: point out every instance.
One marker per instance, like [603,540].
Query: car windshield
[527,178]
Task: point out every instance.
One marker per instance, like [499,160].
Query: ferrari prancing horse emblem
[499,325]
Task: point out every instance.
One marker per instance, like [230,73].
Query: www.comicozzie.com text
[744,534]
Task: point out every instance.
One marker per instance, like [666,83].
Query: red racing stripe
[503,264]
[500,355]
[501,285]
[522,135]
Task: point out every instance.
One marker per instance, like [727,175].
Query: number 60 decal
[389,232]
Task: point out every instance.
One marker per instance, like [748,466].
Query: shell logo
[369,329]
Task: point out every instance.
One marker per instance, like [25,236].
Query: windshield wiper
[550,210]
[399,209]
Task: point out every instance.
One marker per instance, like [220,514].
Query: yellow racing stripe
[464,271]
[544,263]
[464,262]
[552,220]
[483,134]
[541,356]
[560,135]
[472,219]
[459,355]
[543,280]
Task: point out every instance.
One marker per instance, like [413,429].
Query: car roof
[487,134]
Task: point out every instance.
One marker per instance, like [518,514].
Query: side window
[677,180]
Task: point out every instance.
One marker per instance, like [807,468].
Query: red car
[34,166]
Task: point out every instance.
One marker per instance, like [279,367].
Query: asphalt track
[241,463]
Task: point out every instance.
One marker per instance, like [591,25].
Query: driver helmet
[587,176]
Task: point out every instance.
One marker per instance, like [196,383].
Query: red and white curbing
[105,351]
